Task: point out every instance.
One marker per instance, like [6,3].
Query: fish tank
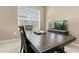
[59,25]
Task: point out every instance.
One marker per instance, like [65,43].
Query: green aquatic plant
[59,25]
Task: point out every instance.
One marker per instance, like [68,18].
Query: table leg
[61,50]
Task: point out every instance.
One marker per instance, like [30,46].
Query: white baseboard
[77,45]
[3,41]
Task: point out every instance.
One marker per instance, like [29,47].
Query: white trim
[77,45]
[3,41]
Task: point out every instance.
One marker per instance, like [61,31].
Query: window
[30,16]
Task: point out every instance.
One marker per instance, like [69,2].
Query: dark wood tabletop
[49,41]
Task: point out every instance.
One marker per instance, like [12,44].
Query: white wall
[8,22]
[68,13]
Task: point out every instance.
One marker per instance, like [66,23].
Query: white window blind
[30,16]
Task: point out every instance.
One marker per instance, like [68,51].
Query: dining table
[48,42]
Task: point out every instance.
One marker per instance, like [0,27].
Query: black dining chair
[29,27]
[25,44]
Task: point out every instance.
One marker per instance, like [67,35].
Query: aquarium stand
[64,32]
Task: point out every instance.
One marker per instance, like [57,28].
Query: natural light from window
[30,16]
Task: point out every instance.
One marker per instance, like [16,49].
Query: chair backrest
[24,40]
[29,27]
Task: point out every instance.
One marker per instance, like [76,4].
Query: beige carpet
[72,48]
[13,46]
[10,46]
